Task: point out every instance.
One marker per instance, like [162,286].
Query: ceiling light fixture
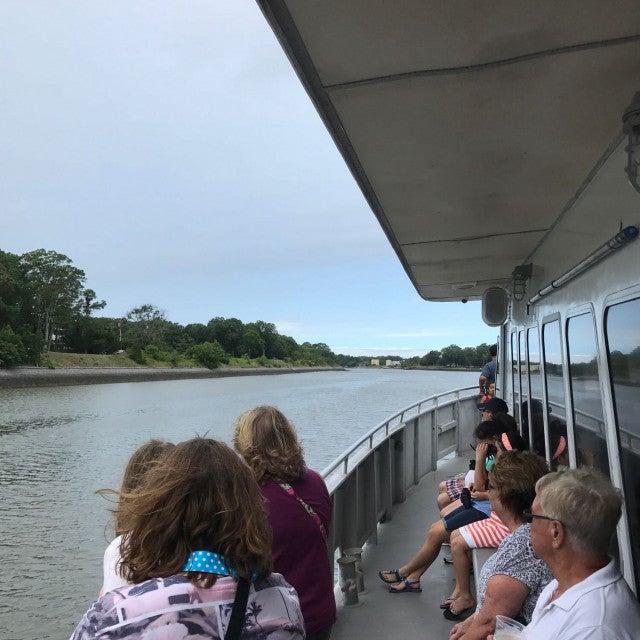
[519,277]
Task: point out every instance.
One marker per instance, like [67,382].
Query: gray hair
[585,502]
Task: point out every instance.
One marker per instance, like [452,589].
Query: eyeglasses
[528,517]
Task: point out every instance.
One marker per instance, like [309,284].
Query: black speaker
[495,304]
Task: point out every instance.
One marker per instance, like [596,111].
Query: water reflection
[59,445]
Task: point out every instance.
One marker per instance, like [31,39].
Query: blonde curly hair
[267,441]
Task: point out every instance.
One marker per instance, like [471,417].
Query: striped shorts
[489,532]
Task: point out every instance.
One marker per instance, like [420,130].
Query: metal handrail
[370,436]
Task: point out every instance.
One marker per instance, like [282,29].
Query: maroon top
[299,550]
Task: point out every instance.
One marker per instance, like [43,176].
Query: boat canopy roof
[475,129]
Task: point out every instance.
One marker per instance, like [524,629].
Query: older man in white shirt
[573,519]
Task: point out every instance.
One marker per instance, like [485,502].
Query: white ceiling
[470,127]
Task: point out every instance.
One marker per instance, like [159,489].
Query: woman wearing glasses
[512,579]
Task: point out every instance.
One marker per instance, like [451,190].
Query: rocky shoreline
[21,377]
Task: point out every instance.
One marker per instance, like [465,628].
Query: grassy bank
[60,360]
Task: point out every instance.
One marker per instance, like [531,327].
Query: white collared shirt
[601,607]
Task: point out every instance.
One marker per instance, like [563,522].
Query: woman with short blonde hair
[299,508]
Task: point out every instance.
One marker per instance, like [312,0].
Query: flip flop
[449,614]
[395,572]
[409,587]
[446,603]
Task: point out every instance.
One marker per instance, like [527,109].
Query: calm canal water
[58,445]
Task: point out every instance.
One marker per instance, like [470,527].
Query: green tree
[469,354]
[208,354]
[228,332]
[144,325]
[197,333]
[13,302]
[55,289]
[89,302]
[93,335]
[252,342]
[430,359]
[453,356]
[269,335]
[12,351]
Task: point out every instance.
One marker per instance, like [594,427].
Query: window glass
[524,384]
[591,445]
[535,382]
[552,347]
[515,376]
[622,328]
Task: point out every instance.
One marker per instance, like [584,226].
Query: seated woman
[198,547]
[140,463]
[299,508]
[406,579]
[489,532]
[450,490]
[512,579]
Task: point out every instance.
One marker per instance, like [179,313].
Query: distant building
[375,362]
[392,363]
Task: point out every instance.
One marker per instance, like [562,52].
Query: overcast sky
[170,151]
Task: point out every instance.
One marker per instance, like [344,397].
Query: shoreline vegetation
[70,369]
[67,369]
[24,377]
[81,369]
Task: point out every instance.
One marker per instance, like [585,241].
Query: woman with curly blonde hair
[299,508]
[197,542]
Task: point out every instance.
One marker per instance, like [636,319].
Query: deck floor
[383,615]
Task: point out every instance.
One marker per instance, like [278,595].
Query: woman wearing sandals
[299,508]
[198,554]
[470,508]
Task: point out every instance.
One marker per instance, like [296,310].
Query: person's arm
[482,384]
[504,596]
[480,473]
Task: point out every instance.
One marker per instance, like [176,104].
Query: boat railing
[378,469]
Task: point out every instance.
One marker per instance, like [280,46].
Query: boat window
[534,412]
[552,348]
[622,329]
[515,375]
[591,444]
[524,382]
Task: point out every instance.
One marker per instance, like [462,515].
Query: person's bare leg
[462,567]
[443,500]
[450,507]
[429,551]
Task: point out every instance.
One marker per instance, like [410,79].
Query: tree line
[45,307]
